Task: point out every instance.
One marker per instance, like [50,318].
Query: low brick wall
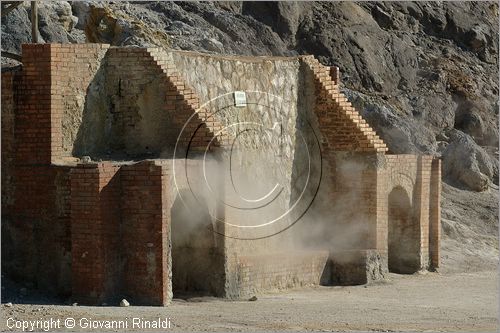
[275,271]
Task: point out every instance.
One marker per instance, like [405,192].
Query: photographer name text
[88,324]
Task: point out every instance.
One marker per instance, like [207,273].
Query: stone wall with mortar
[264,130]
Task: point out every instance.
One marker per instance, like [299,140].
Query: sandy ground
[421,302]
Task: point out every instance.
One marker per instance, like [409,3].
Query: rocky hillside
[424,74]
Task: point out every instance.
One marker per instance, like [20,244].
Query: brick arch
[405,181]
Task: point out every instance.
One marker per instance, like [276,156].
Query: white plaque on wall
[240,98]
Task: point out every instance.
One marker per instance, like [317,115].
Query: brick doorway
[403,237]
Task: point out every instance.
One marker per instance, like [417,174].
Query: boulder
[124,303]
[81,9]
[466,164]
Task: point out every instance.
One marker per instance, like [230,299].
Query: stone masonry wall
[271,87]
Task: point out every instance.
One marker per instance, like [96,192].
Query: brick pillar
[421,206]
[382,207]
[435,213]
[34,118]
[335,74]
[95,232]
[146,210]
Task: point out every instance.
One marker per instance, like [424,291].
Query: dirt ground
[421,302]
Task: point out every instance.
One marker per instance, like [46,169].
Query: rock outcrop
[468,165]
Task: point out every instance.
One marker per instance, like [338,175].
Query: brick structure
[123,226]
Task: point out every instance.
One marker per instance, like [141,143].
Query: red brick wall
[146,107]
[36,207]
[119,233]
[33,114]
[52,76]
[8,143]
[182,99]
[422,210]
[145,225]
[95,226]
[35,216]
[35,235]
[116,219]
[399,170]
[355,186]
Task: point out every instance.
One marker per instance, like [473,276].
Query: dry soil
[421,302]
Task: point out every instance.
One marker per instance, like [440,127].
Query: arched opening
[197,263]
[403,237]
